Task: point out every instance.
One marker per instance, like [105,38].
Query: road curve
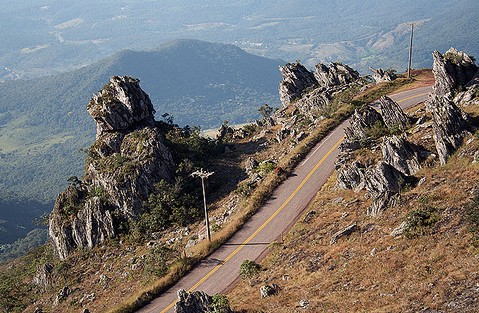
[219,271]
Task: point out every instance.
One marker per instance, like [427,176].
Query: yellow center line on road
[217,267]
[263,225]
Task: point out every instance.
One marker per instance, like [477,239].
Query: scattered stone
[303,303]
[309,216]
[398,231]
[38,310]
[62,295]
[268,291]
[345,232]
[373,252]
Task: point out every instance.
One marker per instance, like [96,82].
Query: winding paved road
[218,273]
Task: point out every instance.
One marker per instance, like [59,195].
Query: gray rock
[43,277]
[335,74]
[296,80]
[314,104]
[398,231]
[393,116]
[303,303]
[121,105]
[350,176]
[197,302]
[360,122]
[127,159]
[268,291]
[62,295]
[343,233]
[401,154]
[449,123]
[383,184]
[381,76]
[452,70]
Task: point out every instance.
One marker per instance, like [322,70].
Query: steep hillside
[395,229]
[45,126]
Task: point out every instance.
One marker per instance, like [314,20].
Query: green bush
[420,222]
[249,269]
[220,304]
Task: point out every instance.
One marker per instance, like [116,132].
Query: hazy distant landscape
[55,36]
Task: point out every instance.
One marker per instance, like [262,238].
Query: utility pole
[410,52]
[203,174]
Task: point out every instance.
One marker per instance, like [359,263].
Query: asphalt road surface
[218,273]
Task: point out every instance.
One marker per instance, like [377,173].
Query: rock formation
[393,116]
[381,76]
[357,131]
[452,71]
[296,80]
[334,75]
[401,154]
[127,159]
[383,183]
[197,302]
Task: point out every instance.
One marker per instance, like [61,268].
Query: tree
[265,110]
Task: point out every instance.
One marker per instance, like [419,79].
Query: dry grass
[371,271]
[128,289]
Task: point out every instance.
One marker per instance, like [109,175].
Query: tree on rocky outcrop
[127,159]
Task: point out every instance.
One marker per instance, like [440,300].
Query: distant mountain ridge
[44,123]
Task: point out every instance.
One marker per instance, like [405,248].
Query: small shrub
[249,269]
[419,222]
[220,304]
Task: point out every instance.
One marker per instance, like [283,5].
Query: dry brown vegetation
[113,278]
[434,269]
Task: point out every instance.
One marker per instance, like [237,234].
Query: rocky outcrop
[383,184]
[343,233]
[314,104]
[393,116]
[121,105]
[357,131]
[335,74]
[449,123]
[350,175]
[452,70]
[381,76]
[127,159]
[296,80]
[401,154]
[198,302]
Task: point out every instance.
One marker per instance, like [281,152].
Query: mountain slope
[44,123]
[59,35]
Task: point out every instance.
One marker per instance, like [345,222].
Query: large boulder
[335,74]
[393,116]
[381,76]
[127,159]
[449,123]
[452,70]
[296,80]
[401,154]
[121,105]
[357,132]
